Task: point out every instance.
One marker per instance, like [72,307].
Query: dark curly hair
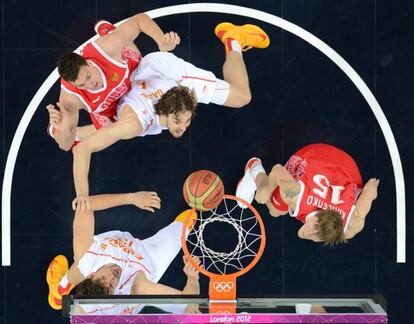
[177,99]
[330,227]
[69,65]
[92,287]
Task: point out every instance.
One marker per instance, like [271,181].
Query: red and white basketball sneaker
[103,27]
[246,187]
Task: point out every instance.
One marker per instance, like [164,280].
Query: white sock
[64,281]
[256,170]
[235,46]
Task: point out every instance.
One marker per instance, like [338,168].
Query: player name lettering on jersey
[114,96]
[153,95]
[125,245]
[320,204]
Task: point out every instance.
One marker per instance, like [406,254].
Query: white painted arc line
[241,11]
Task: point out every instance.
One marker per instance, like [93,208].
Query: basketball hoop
[223,267]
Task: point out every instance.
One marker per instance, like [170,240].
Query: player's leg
[83,132]
[254,178]
[164,246]
[61,280]
[237,39]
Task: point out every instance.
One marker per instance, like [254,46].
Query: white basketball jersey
[156,74]
[122,249]
[142,98]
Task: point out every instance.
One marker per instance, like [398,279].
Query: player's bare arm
[83,230]
[268,186]
[128,126]
[146,200]
[193,285]
[362,208]
[64,119]
[128,31]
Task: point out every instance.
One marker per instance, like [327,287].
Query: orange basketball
[203,190]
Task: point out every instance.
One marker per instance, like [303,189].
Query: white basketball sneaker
[246,187]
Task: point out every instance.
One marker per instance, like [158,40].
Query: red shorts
[334,155]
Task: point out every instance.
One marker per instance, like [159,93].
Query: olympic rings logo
[222,312]
[223,286]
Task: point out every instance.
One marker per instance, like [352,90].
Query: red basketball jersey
[101,104]
[329,179]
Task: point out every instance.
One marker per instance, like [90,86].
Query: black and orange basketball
[203,190]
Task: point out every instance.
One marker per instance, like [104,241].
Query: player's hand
[372,187]
[169,42]
[190,271]
[263,194]
[192,309]
[147,200]
[57,117]
[81,202]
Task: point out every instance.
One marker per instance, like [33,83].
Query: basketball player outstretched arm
[84,221]
[83,233]
[362,208]
[125,34]
[128,126]
[64,125]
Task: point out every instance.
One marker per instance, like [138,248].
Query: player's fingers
[149,209]
[78,205]
[156,205]
[156,200]
[74,203]
[155,197]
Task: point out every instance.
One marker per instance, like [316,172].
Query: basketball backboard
[189,309]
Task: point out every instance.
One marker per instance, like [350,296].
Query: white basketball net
[246,227]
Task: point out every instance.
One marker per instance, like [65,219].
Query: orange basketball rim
[223,268]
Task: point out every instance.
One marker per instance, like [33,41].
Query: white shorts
[163,247]
[165,65]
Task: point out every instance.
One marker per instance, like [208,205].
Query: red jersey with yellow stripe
[329,179]
[101,104]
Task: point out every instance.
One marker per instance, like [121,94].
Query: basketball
[203,190]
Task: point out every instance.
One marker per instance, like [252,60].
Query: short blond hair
[330,227]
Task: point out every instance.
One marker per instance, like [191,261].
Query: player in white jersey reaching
[99,76]
[115,262]
[165,92]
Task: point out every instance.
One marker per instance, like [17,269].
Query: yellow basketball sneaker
[55,272]
[191,219]
[248,36]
